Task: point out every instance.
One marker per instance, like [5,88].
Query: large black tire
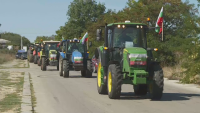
[94,69]
[156,87]
[35,59]
[39,62]
[89,69]
[65,68]
[114,81]
[57,66]
[31,58]
[140,89]
[61,67]
[83,73]
[102,88]
[44,67]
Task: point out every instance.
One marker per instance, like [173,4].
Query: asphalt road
[56,94]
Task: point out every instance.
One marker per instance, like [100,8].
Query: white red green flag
[159,22]
[84,39]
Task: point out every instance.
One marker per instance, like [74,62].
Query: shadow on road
[165,97]
[79,76]
[178,96]
[131,96]
[51,70]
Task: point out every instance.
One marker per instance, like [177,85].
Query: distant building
[3,43]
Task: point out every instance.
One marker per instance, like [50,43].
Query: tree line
[181,29]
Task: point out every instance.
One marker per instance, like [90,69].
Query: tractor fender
[34,52]
[62,55]
[98,52]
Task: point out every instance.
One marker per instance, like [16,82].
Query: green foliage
[44,38]
[15,39]
[81,13]
[181,27]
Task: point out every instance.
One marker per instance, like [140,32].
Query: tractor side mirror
[90,44]
[99,34]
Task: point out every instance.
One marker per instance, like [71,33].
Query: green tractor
[126,59]
[49,54]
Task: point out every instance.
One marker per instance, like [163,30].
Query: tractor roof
[51,41]
[71,40]
[125,23]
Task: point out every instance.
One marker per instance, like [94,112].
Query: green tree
[15,39]
[81,13]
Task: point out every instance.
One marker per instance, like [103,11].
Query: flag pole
[162,31]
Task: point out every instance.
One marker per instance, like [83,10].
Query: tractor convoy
[124,58]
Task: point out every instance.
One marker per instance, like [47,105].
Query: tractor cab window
[51,46]
[129,37]
[76,46]
[109,38]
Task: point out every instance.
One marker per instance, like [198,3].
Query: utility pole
[0,33]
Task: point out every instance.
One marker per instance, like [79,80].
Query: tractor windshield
[51,46]
[76,46]
[129,36]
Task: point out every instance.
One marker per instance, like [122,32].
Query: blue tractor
[75,56]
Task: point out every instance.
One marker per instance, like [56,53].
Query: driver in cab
[74,46]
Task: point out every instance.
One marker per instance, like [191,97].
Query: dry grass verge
[11,87]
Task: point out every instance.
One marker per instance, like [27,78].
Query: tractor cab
[69,46]
[49,54]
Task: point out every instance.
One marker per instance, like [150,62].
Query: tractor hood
[77,57]
[135,50]
[136,56]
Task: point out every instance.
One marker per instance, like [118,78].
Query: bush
[6,55]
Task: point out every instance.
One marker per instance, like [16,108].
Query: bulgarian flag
[85,38]
[159,22]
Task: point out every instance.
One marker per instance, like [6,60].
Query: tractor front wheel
[31,58]
[114,81]
[35,59]
[43,64]
[61,68]
[65,68]
[58,66]
[101,87]
[83,73]
[39,62]
[157,84]
[89,69]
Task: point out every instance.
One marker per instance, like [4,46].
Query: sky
[32,18]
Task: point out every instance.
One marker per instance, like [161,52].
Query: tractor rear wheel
[61,68]
[35,59]
[65,68]
[114,81]
[43,64]
[140,89]
[89,69]
[156,86]
[101,87]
